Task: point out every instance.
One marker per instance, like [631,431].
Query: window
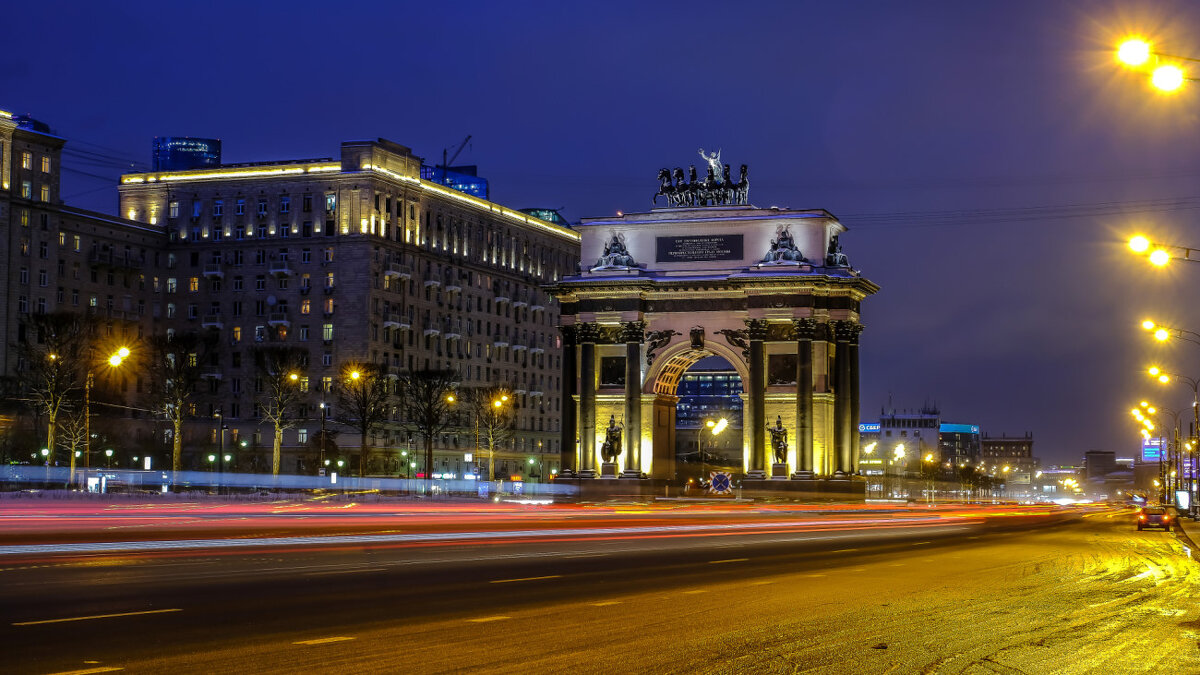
[196,208]
[260,283]
[306,202]
[45,165]
[327,332]
[24,275]
[218,208]
[302,435]
[193,284]
[329,280]
[241,207]
[26,160]
[237,283]
[173,209]
[305,306]
[330,202]
[43,249]
[237,333]
[329,305]
[262,208]
[45,194]
[43,278]
[193,311]
[303,333]
[62,238]
[327,360]
[171,284]
[26,190]
[24,217]
[305,255]
[327,384]
[285,204]
[76,243]
[329,254]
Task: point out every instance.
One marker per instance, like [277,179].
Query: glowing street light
[1167,78]
[1134,52]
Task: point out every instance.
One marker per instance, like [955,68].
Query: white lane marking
[509,581]
[323,641]
[95,616]
[731,560]
[89,671]
[761,583]
[920,543]
[844,550]
[486,619]
[606,603]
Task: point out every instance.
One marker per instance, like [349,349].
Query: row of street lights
[1168,74]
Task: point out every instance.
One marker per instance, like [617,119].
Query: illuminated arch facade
[767,289]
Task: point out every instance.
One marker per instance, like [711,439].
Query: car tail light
[1166,518]
[1141,517]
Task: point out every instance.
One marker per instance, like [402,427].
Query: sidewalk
[1188,533]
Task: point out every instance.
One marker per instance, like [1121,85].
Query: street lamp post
[1194,383]
[113,360]
[324,412]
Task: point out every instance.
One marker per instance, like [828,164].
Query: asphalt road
[1084,595]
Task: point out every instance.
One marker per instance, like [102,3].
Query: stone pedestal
[804,475]
[840,475]
[756,474]
[608,470]
[632,473]
[779,471]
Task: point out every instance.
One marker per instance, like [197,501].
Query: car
[1154,516]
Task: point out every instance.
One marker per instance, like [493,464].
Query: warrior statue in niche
[779,440]
[612,440]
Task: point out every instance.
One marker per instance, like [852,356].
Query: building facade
[358,259]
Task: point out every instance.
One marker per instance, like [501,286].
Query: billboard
[1151,449]
[868,428]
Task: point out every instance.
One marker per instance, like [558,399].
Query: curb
[1189,547]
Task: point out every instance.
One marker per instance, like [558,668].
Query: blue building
[462,178]
[180,153]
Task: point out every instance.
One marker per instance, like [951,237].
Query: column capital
[633,331]
[805,329]
[756,329]
[568,332]
[587,332]
[846,331]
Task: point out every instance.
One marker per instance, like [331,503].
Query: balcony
[502,298]
[517,348]
[536,394]
[536,350]
[281,268]
[452,335]
[111,259]
[517,304]
[213,320]
[328,290]
[213,271]
[279,319]
[537,308]
[430,332]
[391,321]
[499,341]
[453,286]
[212,374]
[397,271]
[432,282]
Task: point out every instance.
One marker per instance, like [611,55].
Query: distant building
[462,178]
[1014,452]
[709,393]
[181,153]
[959,443]
[1098,464]
[548,215]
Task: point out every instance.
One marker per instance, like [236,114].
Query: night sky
[989,158]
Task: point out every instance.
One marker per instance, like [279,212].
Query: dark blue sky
[989,158]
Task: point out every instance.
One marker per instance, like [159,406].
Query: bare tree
[175,369]
[493,415]
[279,393]
[73,430]
[427,400]
[364,394]
[54,363]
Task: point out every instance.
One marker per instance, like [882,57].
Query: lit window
[302,435]
[194,284]
[237,333]
[173,209]
[45,165]
[241,207]
[327,331]
[45,193]
[26,190]
[305,306]
[26,160]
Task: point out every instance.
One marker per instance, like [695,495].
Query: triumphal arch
[768,289]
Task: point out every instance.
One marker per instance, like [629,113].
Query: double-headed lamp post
[714,427]
[1167,71]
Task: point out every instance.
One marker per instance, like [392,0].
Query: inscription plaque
[698,248]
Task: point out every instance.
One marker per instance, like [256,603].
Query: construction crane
[457,151]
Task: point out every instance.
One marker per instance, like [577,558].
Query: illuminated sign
[959,429]
[868,428]
[1151,449]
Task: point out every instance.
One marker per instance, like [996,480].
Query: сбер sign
[698,248]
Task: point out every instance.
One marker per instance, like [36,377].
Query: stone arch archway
[675,285]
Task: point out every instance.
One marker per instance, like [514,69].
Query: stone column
[570,409]
[806,330]
[633,333]
[841,399]
[588,334]
[756,332]
[855,437]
